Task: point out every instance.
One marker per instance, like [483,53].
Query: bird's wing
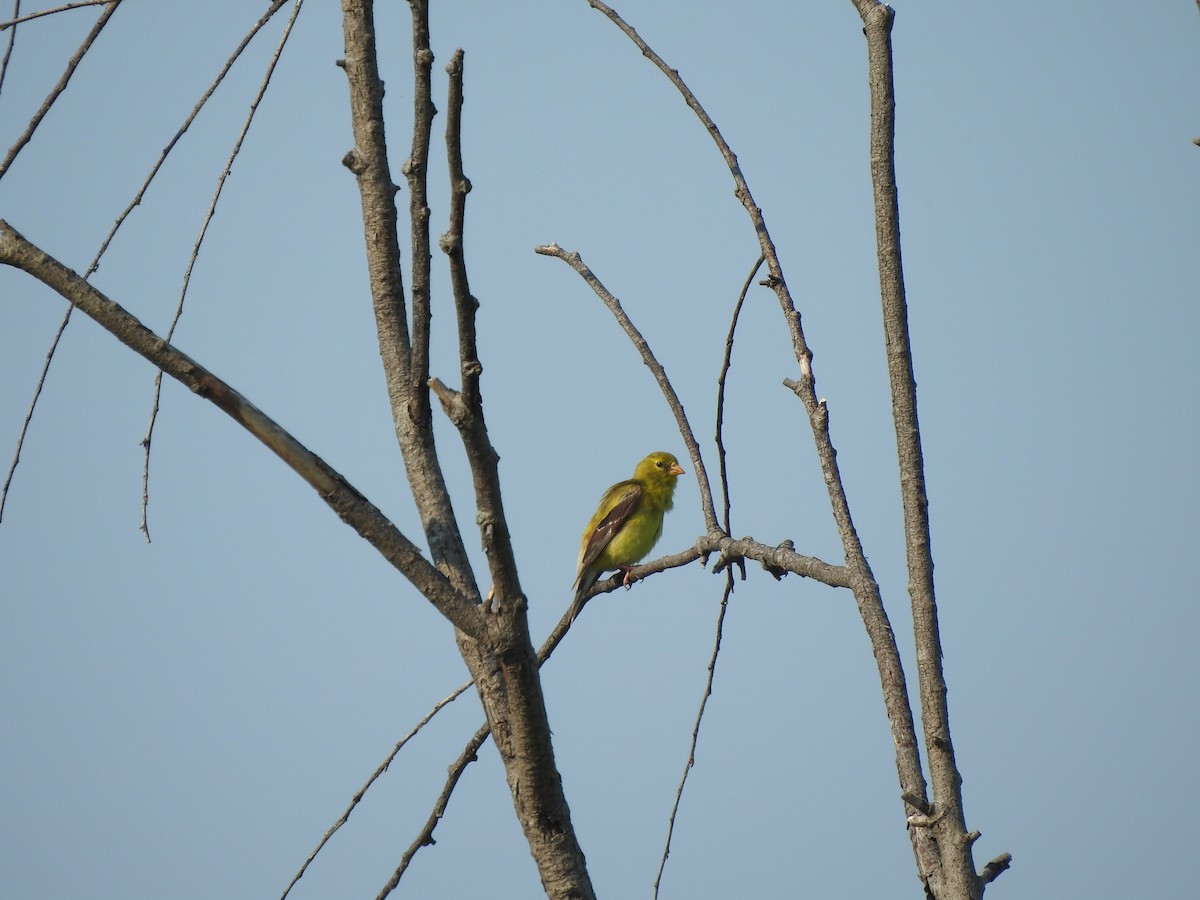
[624,501]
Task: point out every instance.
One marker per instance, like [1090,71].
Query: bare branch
[708,684]
[416,171]
[955,868]
[383,767]
[469,754]
[573,259]
[58,88]
[993,869]
[12,40]
[351,506]
[17,18]
[187,123]
[95,263]
[37,392]
[465,409]
[726,363]
[208,217]
[407,395]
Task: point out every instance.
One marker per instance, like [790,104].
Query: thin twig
[120,220]
[469,754]
[726,362]
[17,18]
[37,392]
[56,91]
[691,760]
[12,39]
[208,217]
[187,123]
[575,261]
[383,767]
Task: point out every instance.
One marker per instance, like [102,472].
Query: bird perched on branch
[627,524]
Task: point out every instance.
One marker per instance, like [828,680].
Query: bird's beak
[675,470]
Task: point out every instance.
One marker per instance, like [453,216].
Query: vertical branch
[465,408]
[368,161]
[948,821]
[416,170]
[726,362]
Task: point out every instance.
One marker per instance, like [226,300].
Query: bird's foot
[628,579]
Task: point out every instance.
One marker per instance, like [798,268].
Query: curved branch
[575,261]
[351,506]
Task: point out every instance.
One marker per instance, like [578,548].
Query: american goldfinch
[627,524]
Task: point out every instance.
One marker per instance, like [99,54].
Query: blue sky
[186,718]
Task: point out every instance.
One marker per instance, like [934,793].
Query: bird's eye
[659,463]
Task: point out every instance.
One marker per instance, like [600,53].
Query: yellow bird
[627,524]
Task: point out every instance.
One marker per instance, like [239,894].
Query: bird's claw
[628,579]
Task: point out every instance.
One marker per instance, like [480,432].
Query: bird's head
[658,468]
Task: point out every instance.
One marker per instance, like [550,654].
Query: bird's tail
[582,585]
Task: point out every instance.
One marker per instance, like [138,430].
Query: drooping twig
[350,505]
[26,136]
[37,393]
[208,217]
[691,759]
[575,261]
[95,263]
[726,363]
[59,87]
